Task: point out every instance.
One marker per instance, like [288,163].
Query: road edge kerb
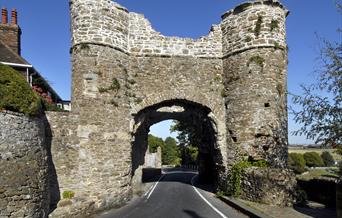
[243,208]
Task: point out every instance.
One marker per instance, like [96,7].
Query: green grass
[319,173]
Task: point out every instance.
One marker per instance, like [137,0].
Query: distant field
[318,150]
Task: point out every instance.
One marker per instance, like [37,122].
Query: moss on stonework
[224,93]
[68,194]
[256,59]
[274,25]
[257,28]
[248,39]
[115,86]
[16,94]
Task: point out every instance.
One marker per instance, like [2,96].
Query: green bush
[296,162]
[16,94]
[327,159]
[68,194]
[313,159]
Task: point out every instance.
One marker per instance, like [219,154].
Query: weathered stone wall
[255,78]
[268,185]
[23,166]
[144,40]
[101,22]
[241,29]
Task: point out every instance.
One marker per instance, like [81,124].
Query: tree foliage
[186,133]
[320,111]
[170,152]
[154,142]
[189,155]
[188,141]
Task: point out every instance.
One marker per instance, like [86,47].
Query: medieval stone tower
[230,84]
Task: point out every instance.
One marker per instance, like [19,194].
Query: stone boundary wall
[23,167]
[269,186]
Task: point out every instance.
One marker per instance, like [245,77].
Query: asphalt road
[175,196]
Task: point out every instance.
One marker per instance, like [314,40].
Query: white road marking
[205,200]
[155,185]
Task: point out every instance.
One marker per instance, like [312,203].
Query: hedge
[16,94]
[313,159]
[296,162]
[327,159]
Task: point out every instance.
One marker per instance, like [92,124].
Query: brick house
[10,55]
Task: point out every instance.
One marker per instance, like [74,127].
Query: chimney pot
[14,18]
[4,18]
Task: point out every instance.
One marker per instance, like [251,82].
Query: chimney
[10,32]
[4,19]
[14,18]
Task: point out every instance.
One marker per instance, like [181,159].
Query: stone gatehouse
[230,84]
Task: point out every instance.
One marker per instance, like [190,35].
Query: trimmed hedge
[16,94]
[327,159]
[296,162]
[313,159]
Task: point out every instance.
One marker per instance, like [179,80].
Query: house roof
[8,55]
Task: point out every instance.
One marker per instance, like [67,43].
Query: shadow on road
[192,214]
[151,175]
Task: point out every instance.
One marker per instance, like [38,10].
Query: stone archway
[200,116]
[124,72]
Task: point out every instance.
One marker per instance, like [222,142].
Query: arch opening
[193,115]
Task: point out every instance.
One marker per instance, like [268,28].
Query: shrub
[16,94]
[327,159]
[313,159]
[296,162]
[68,194]
[234,176]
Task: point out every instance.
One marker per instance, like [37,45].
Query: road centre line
[205,200]
[153,187]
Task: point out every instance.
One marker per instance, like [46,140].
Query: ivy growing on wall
[235,174]
[115,86]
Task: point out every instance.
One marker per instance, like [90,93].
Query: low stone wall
[320,190]
[339,198]
[268,185]
[23,167]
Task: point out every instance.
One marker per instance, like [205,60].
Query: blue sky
[46,35]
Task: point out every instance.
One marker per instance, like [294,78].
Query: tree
[189,155]
[186,133]
[327,159]
[154,143]
[170,152]
[188,141]
[313,159]
[321,111]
